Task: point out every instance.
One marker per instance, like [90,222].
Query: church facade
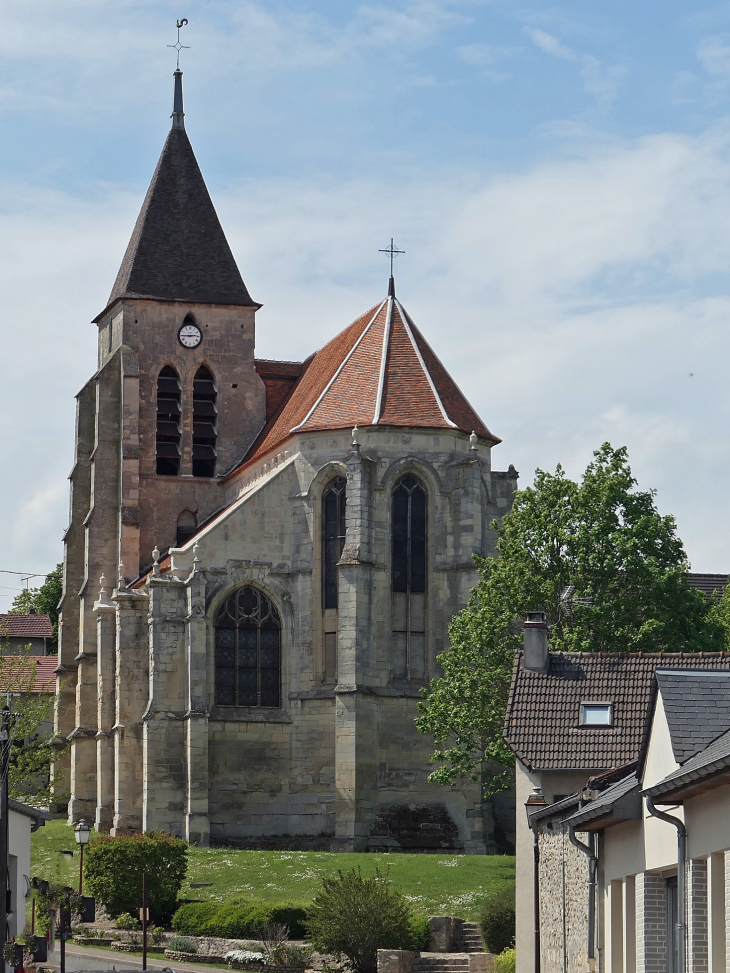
[263,559]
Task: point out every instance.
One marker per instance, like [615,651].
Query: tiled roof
[708,584]
[25,626]
[697,706]
[378,371]
[45,671]
[712,760]
[178,250]
[543,711]
[605,802]
[279,377]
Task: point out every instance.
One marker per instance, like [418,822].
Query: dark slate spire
[178,250]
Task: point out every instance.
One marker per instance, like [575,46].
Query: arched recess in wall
[205,422]
[248,650]
[334,500]
[187,524]
[408,577]
[168,422]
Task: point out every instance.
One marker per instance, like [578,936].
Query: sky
[558,175]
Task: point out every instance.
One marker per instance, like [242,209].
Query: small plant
[497,920]
[237,958]
[126,921]
[506,962]
[290,956]
[182,944]
[155,935]
[355,917]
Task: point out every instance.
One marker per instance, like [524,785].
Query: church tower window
[333,540]
[187,524]
[248,650]
[168,422]
[204,423]
[409,578]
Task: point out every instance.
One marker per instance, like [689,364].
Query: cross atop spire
[391,250]
[178,46]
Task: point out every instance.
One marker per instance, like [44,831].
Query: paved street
[80,958]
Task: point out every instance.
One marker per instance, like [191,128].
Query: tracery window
[248,650]
[333,540]
[408,581]
[168,422]
[205,430]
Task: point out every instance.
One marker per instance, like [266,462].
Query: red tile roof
[45,672]
[25,626]
[378,371]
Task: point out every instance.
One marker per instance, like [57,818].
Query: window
[333,537]
[168,422]
[409,578]
[205,431]
[596,714]
[248,650]
[187,524]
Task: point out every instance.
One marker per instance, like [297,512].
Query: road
[79,958]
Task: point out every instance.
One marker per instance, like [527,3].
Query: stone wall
[563,901]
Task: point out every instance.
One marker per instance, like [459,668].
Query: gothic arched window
[187,524]
[168,422]
[333,537]
[205,431]
[408,581]
[248,650]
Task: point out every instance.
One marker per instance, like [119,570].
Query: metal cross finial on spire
[180,47]
[392,251]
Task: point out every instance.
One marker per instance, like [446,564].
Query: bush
[355,917]
[506,962]
[497,920]
[126,921]
[113,869]
[238,919]
[181,944]
[419,934]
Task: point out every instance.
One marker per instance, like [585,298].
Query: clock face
[190,336]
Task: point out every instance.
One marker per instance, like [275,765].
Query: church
[263,559]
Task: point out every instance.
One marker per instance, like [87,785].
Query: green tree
[627,564]
[43,601]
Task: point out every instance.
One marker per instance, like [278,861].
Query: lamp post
[82,833]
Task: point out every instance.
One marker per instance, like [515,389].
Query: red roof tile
[25,626]
[45,672]
[378,371]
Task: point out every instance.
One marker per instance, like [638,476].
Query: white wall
[19,847]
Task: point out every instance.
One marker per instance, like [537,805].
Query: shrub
[113,869]
[181,944]
[290,956]
[242,957]
[506,962]
[238,919]
[355,917]
[497,920]
[419,934]
[126,921]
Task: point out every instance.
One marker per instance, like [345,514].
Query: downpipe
[681,930]
[536,894]
[590,851]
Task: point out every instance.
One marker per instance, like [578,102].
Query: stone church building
[263,559]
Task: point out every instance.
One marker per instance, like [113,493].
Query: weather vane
[392,251]
[180,47]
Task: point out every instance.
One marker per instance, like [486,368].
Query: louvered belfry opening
[205,431]
[248,650]
[409,578]
[168,422]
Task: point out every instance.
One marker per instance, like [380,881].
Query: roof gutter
[681,928]
[666,788]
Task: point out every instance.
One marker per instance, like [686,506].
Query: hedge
[497,920]
[237,919]
[113,869]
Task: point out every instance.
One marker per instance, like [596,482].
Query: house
[263,558]
[23,821]
[595,738]
[19,631]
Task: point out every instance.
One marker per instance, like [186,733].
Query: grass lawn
[439,884]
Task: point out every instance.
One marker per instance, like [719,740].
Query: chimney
[537,654]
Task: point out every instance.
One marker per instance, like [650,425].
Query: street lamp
[82,833]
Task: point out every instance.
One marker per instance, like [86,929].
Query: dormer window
[596,714]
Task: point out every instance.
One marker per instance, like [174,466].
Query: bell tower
[174,404]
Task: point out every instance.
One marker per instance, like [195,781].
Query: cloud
[549,44]
[600,82]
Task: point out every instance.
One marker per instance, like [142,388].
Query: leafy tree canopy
[606,538]
[43,601]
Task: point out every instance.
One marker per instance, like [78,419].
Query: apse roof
[379,371]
